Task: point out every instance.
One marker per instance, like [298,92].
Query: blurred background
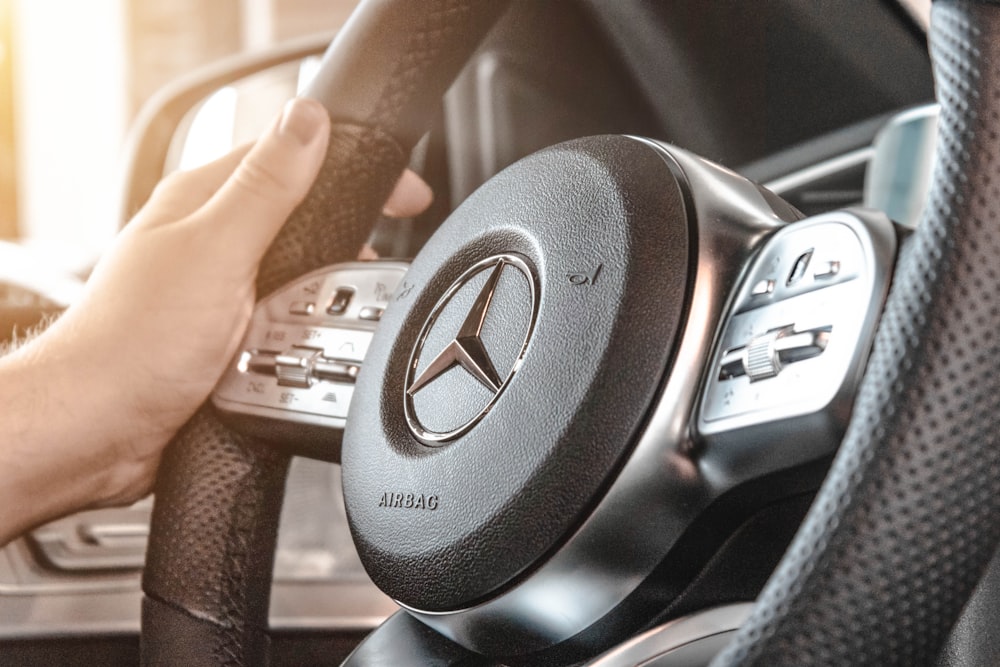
[73,76]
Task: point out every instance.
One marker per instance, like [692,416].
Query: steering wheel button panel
[298,364]
[796,354]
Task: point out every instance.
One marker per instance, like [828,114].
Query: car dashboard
[794,94]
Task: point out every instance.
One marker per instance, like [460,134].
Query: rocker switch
[294,368]
[800,267]
[341,300]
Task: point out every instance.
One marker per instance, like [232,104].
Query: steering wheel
[581,394]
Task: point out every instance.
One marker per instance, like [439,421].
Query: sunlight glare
[71,117]
[211,133]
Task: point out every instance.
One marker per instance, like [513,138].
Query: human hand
[90,403]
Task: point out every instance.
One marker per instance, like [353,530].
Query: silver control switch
[764,356]
[298,362]
[798,353]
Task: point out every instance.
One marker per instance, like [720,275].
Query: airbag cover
[568,273]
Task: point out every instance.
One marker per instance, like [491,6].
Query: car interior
[597,388]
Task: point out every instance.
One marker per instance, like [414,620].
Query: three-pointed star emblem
[467,349]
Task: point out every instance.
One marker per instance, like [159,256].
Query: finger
[273,178]
[182,193]
[367,253]
[410,197]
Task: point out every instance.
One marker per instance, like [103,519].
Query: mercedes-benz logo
[466,349]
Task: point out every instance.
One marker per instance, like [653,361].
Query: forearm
[55,453]
[87,407]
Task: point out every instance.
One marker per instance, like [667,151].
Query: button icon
[340,301]
[763,288]
[584,278]
[800,267]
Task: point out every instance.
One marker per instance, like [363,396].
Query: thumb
[272,179]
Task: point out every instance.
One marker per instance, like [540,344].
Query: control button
[329,400]
[731,365]
[371,314]
[261,362]
[800,267]
[827,270]
[302,308]
[301,355]
[766,355]
[335,371]
[763,288]
[96,540]
[341,300]
[294,367]
[760,358]
[345,344]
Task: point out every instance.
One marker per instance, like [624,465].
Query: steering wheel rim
[803,614]
[218,492]
[905,523]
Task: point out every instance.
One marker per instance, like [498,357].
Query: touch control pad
[801,325]
[304,347]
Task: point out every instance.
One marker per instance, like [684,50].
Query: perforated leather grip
[208,570]
[907,519]
[218,494]
[360,169]
[395,58]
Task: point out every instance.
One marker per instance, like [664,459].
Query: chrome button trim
[299,364]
